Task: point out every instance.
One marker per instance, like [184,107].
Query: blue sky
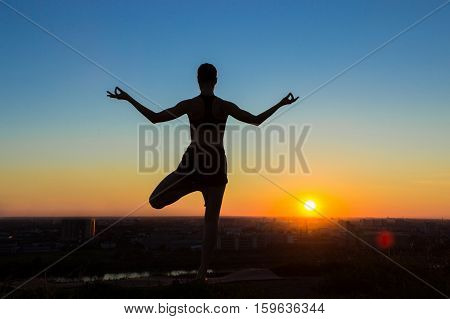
[54,107]
[261,50]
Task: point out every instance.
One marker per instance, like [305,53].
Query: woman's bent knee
[155,202]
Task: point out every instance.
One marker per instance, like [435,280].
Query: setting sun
[310,205]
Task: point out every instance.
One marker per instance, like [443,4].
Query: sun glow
[310,205]
[307,208]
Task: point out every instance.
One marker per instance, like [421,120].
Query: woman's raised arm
[247,117]
[154,117]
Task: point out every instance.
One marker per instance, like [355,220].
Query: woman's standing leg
[213,198]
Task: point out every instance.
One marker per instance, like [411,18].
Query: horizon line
[225,216]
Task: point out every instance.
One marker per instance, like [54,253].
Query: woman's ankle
[201,273]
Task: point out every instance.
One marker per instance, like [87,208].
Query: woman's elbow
[256,121]
[154,119]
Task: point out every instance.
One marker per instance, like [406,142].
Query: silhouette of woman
[203,166]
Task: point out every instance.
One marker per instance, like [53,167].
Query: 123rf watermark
[249,149]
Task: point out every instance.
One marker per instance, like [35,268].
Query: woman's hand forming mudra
[118,94]
[288,99]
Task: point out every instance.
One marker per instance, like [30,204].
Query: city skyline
[139,253]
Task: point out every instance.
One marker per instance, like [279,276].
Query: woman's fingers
[118,91]
[289,99]
[111,95]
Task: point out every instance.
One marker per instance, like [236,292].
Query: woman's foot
[201,274]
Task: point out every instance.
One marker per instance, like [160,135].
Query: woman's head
[207,75]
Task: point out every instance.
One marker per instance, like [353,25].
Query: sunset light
[310,205]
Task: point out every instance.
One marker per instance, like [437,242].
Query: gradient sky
[379,144]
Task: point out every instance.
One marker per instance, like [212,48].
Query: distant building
[239,242]
[41,247]
[108,245]
[8,248]
[228,242]
[77,229]
[248,243]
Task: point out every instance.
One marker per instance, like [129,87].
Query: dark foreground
[292,281]
[298,261]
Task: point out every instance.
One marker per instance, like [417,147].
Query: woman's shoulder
[221,103]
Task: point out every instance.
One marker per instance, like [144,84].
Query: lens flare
[385,239]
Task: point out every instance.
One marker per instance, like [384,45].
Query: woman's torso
[207,121]
[205,156]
